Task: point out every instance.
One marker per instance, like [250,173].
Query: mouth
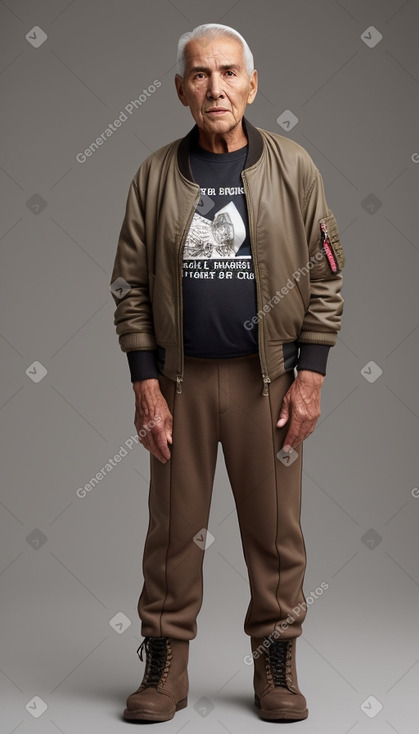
[216,111]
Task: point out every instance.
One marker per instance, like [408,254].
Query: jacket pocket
[304,300]
[331,245]
[330,257]
[285,318]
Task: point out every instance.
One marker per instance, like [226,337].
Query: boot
[277,695]
[164,688]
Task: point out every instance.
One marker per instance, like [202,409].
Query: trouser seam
[168,530]
[276,504]
[299,521]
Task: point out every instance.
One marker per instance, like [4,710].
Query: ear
[180,90]
[253,87]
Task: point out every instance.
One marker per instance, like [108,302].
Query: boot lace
[279,655]
[155,648]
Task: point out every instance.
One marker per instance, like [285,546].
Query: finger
[151,446]
[148,442]
[158,438]
[298,434]
[169,429]
[284,414]
[292,438]
[306,432]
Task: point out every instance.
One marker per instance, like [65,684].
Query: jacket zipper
[179,376]
[265,377]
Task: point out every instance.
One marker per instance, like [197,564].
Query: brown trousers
[222,401]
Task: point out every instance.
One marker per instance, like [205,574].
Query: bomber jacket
[296,248]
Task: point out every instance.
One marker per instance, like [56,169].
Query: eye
[199,75]
[229,71]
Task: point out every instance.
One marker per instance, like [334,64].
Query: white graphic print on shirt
[220,238]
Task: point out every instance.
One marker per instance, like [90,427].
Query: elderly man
[227,281]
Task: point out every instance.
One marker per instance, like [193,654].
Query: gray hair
[211,30]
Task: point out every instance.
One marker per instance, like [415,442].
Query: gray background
[69,565]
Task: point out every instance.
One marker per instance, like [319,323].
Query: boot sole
[153,715]
[284,714]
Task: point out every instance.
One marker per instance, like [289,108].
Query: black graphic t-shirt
[219,288]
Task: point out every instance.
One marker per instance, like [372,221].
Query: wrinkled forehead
[214,53]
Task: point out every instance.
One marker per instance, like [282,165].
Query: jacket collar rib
[255,142]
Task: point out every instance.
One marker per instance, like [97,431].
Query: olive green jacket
[296,248]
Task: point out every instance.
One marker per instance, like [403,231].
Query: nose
[214,90]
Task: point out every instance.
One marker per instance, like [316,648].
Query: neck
[223,142]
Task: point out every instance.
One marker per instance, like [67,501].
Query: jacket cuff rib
[142,364]
[313,357]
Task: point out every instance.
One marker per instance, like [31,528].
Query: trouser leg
[179,505]
[267,495]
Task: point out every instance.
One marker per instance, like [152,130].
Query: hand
[152,414]
[301,404]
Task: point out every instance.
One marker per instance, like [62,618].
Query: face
[216,86]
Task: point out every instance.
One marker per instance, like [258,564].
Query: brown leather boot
[164,688]
[277,695]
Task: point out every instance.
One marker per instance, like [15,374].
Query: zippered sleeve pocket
[325,248]
[331,246]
